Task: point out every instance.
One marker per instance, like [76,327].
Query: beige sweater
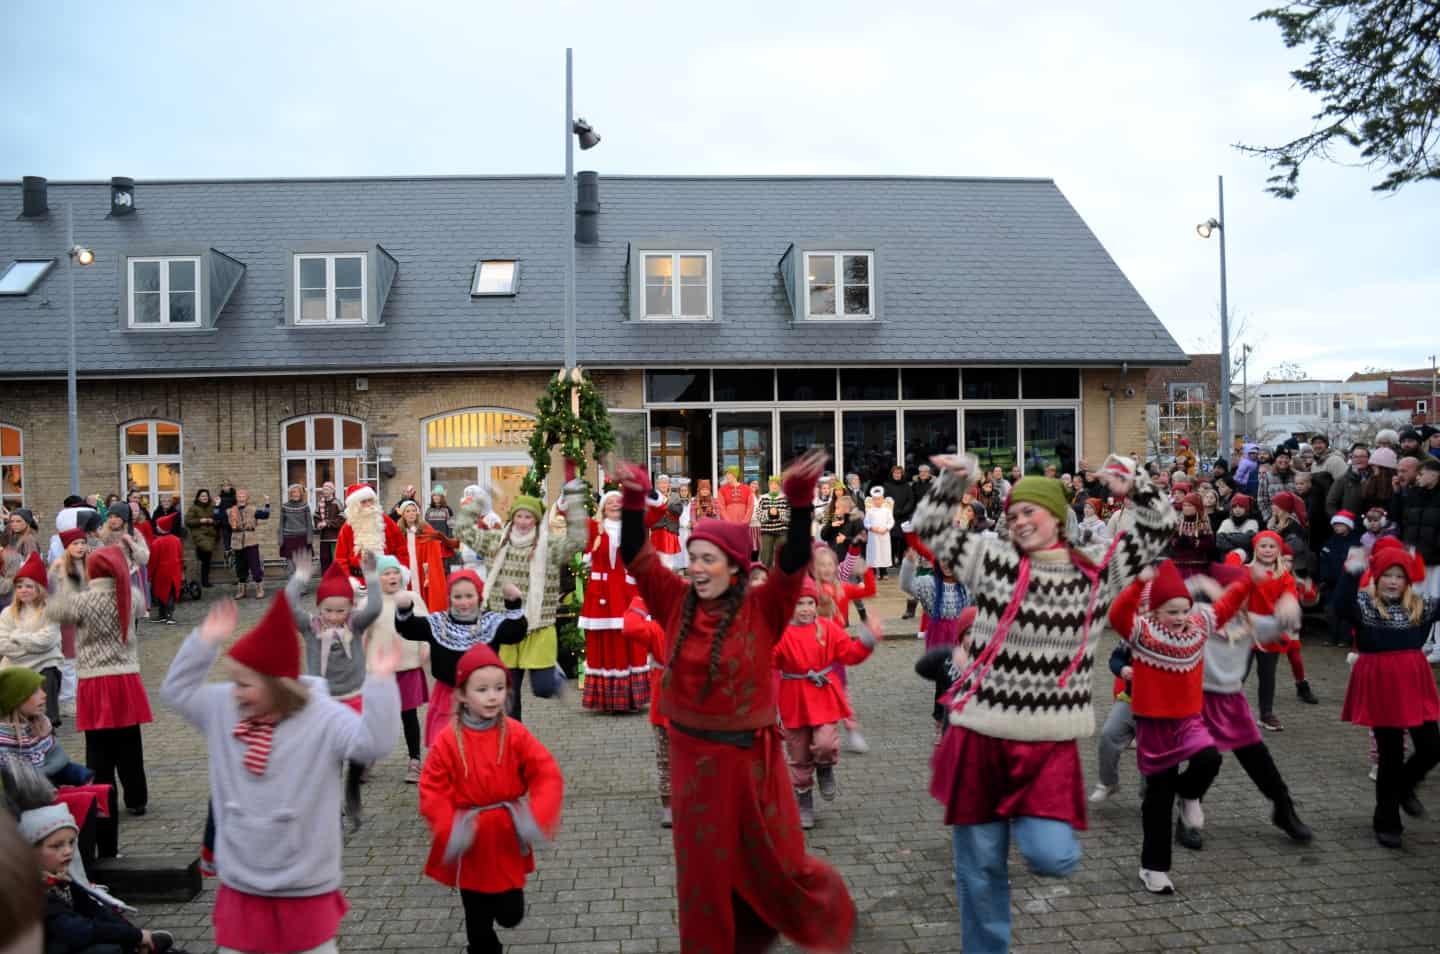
[100,649]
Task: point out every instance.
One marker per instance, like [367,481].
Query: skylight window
[495,277]
[20,277]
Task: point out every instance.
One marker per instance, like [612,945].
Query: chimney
[122,196]
[33,198]
[587,208]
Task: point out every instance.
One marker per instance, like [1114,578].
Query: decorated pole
[570,415]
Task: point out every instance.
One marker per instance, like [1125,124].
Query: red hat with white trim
[1345,518]
[356,492]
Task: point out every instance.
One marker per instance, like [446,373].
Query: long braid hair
[733,598]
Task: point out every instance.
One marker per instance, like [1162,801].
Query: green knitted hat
[1043,492]
[532,504]
[16,685]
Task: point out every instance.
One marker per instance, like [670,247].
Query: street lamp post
[588,140]
[1205,229]
[74,255]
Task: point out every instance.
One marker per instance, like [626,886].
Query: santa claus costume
[366,529]
[167,565]
[423,553]
[663,521]
[616,673]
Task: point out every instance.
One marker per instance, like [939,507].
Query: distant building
[1183,402]
[1411,394]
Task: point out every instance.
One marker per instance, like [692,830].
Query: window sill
[674,321]
[333,325]
[169,329]
[825,322]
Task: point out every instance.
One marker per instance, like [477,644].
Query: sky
[1132,108]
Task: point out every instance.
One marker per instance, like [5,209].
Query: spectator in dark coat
[1347,493]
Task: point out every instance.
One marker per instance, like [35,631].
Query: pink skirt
[981,779]
[413,688]
[247,922]
[1231,723]
[441,712]
[111,702]
[1391,690]
[1162,744]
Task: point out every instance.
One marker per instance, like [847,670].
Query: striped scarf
[257,734]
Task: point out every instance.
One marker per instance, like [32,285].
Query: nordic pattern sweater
[1021,697]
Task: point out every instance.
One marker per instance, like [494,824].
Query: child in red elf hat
[1273,582]
[491,792]
[28,638]
[272,736]
[167,565]
[1391,687]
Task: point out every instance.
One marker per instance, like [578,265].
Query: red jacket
[1263,598]
[487,776]
[843,593]
[166,566]
[640,627]
[611,587]
[349,560]
[427,580]
[814,649]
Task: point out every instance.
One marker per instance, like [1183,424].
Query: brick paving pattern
[607,883]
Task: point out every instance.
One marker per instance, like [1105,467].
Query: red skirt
[413,688]
[111,702]
[665,543]
[617,672]
[1162,744]
[1391,690]
[981,779]
[441,712]
[248,922]
[737,833]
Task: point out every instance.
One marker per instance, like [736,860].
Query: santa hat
[407,502]
[605,498]
[461,576]
[1166,586]
[733,539]
[1116,464]
[166,524]
[1390,552]
[335,582]
[1235,558]
[877,491]
[478,657]
[1291,504]
[110,562]
[1344,517]
[68,537]
[33,569]
[272,648]
[358,492]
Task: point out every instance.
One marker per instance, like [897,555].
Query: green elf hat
[1043,492]
[775,479]
[733,471]
[532,504]
[17,685]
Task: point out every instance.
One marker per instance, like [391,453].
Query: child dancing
[490,793]
[410,676]
[277,742]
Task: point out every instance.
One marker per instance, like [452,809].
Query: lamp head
[82,255]
[589,138]
[1205,228]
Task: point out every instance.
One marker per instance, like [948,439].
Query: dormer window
[164,291]
[839,285]
[677,285]
[330,288]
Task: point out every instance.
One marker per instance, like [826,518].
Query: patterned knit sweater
[1021,696]
[516,568]
[100,649]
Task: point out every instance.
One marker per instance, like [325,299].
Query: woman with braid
[1009,762]
[742,874]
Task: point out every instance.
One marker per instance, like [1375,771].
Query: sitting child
[26,734]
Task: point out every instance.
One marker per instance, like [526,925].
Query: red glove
[634,486]
[800,478]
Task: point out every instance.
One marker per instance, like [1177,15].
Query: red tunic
[737,826]
[642,630]
[1263,597]
[166,566]
[843,593]
[814,648]
[429,581]
[617,676]
[488,776]
[737,502]
[349,559]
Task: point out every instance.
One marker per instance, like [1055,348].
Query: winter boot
[412,772]
[1302,689]
[259,591]
[806,798]
[240,591]
[1285,819]
[1188,837]
[825,776]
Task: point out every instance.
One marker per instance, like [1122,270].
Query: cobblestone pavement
[607,883]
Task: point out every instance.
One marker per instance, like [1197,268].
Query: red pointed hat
[33,569]
[1389,552]
[733,539]
[166,524]
[68,537]
[110,562]
[808,587]
[478,657]
[272,648]
[1292,504]
[335,582]
[1167,585]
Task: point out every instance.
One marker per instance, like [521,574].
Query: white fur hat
[40,823]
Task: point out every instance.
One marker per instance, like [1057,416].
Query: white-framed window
[330,288]
[839,285]
[495,277]
[164,291]
[1422,406]
[677,285]
[319,448]
[150,460]
[12,467]
[20,276]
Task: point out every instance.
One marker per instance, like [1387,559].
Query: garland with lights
[558,425]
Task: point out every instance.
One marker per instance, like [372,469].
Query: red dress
[349,560]
[617,677]
[641,630]
[428,581]
[815,648]
[737,826]
[664,528]
[489,774]
[166,566]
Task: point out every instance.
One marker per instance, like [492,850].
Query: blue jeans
[982,879]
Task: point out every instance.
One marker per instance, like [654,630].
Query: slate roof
[973,271]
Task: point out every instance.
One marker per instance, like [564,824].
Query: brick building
[278,331]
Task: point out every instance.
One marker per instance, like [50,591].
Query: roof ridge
[537,176]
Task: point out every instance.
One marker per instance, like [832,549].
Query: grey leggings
[1117,734]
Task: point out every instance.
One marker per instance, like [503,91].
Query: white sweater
[29,639]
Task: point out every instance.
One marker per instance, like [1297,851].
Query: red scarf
[257,734]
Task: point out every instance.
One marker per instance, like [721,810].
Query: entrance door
[502,476]
[745,440]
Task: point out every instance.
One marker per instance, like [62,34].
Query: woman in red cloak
[743,878]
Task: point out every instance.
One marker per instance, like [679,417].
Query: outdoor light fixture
[1205,228]
[589,138]
[81,255]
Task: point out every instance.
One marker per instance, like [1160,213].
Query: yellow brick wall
[1129,413]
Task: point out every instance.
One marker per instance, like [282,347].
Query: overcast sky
[1131,110]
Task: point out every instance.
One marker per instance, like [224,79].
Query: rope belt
[818,677]
[462,833]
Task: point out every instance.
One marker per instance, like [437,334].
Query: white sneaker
[855,742]
[1374,773]
[1156,882]
[1193,814]
[1103,793]
[1434,656]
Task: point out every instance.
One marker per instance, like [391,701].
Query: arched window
[319,448]
[486,446]
[150,460]
[12,467]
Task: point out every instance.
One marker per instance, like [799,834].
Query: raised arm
[295,594]
[368,613]
[1232,601]
[1145,544]
[1125,609]
[408,624]
[577,523]
[661,589]
[934,520]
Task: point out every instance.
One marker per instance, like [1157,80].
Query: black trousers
[51,685]
[1398,777]
[327,554]
[1161,790]
[483,911]
[248,565]
[203,557]
[119,752]
[543,682]
[1264,665]
[410,722]
[1260,766]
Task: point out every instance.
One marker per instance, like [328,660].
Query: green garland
[557,426]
